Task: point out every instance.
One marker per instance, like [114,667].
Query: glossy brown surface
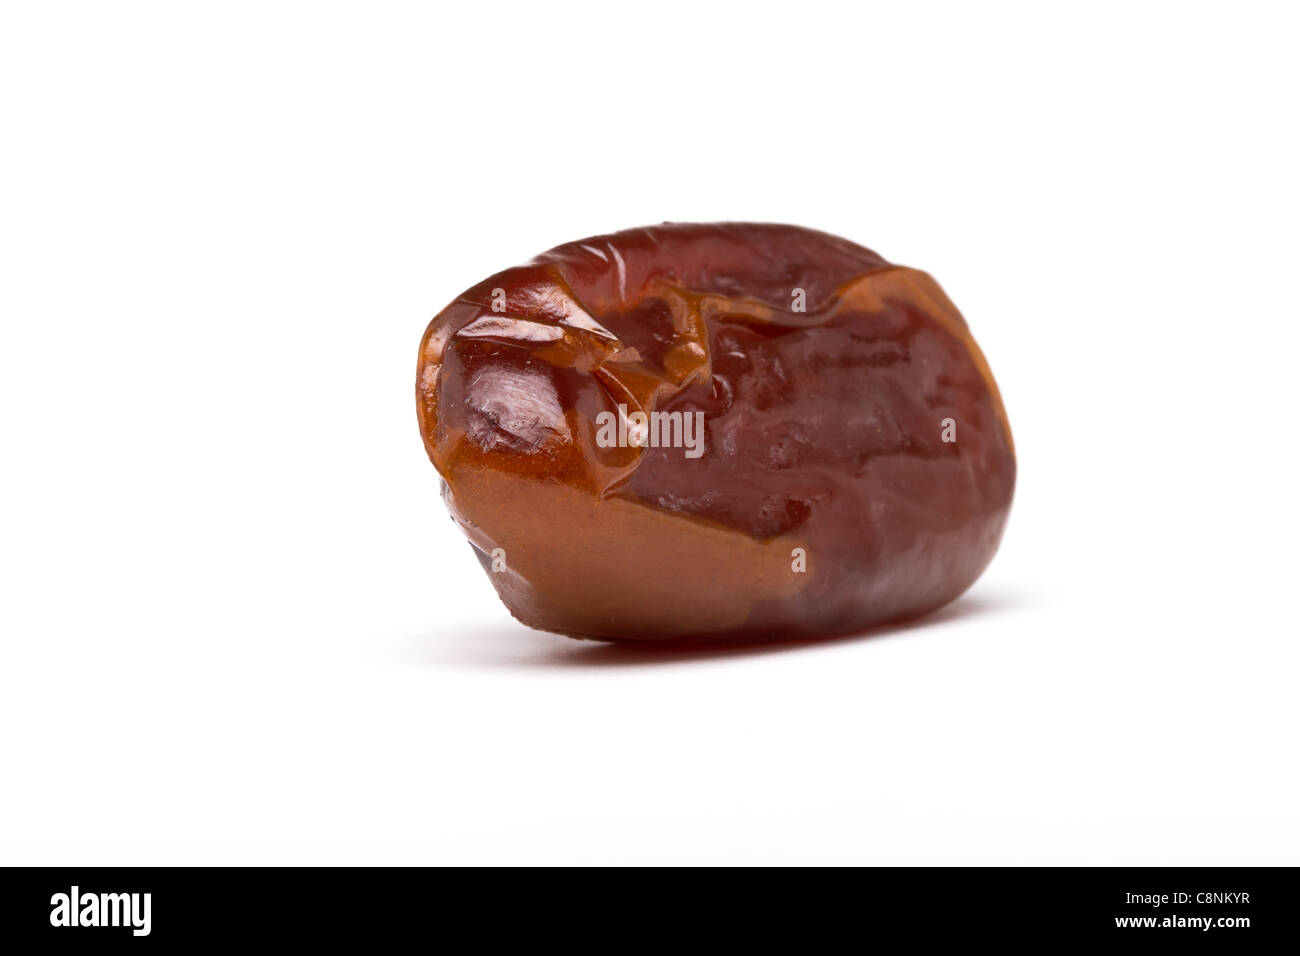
[828,380]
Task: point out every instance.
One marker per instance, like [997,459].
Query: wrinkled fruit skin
[823,435]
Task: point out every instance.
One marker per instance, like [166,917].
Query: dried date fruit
[736,430]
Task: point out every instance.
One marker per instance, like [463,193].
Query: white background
[238,626]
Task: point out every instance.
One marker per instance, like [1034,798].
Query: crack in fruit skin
[823,374]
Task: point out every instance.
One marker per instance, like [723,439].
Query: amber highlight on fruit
[856,466]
